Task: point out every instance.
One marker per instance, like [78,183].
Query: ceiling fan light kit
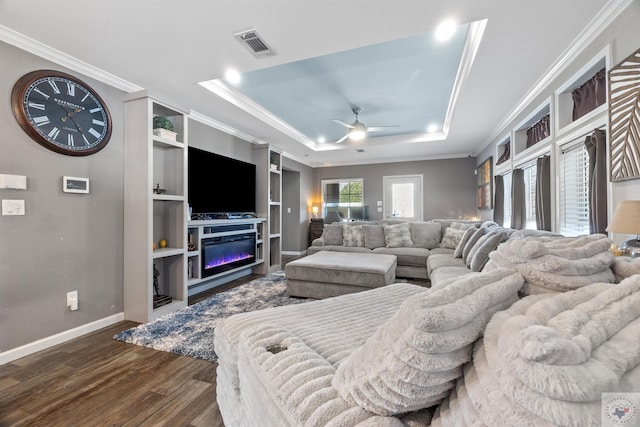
[357,130]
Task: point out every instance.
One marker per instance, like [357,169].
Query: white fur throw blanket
[556,264]
[546,360]
[413,360]
[624,267]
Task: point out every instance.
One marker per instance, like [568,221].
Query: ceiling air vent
[252,40]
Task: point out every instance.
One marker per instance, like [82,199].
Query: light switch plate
[12,207]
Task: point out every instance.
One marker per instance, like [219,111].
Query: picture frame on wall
[484,178]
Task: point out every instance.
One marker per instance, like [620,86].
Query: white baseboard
[44,343]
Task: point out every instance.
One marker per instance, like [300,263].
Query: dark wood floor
[95,380]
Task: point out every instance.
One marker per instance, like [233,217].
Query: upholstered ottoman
[327,274]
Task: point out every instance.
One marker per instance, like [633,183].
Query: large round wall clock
[61,112]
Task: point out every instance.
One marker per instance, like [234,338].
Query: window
[574,190]
[344,196]
[530,196]
[506,180]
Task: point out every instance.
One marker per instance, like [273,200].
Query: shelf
[165,143]
[564,102]
[165,252]
[168,197]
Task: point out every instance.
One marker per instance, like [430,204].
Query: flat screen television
[220,185]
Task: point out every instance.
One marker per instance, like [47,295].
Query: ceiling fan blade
[379,128]
[340,122]
[342,139]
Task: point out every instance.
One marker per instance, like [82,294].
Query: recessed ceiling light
[322,140]
[232,76]
[445,30]
[433,128]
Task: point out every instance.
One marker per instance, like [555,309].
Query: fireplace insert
[223,253]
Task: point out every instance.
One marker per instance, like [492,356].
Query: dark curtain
[518,206]
[590,95]
[543,193]
[596,145]
[539,131]
[498,203]
[506,154]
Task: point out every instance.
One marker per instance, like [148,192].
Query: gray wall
[210,139]
[65,241]
[297,193]
[448,185]
[622,35]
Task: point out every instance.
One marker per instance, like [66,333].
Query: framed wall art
[484,177]
[624,118]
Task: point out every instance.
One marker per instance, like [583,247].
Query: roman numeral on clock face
[54,86]
[36,105]
[54,133]
[71,89]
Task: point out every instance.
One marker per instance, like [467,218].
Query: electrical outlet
[72,300]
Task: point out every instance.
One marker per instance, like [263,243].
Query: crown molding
[243,102]
[603,19]
[44,51]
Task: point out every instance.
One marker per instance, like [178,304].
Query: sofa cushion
[425,234]
[471,242]
[463,241]
[485,247]
[333,234]
[444,273]
[436,261]
[477,245]
[337,248]
[457,225]
[439,250]
[451,238]
[352,235]
[412,360]
[398,235]
[373,236]
[406,256]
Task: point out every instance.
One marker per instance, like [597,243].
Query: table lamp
[314,209]
[626,220]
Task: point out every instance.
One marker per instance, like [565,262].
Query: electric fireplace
[222,253]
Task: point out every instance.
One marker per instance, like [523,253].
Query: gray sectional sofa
[411,242]
[534,338]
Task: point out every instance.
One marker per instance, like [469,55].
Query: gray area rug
[189,331]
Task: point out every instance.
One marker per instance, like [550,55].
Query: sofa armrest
[318,241]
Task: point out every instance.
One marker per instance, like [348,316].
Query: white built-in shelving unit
[150,216]
[268,163]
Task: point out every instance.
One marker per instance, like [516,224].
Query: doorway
[402,197]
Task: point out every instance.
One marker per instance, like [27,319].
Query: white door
[402,197]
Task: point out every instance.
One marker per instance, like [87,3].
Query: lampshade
[626,218]
[314,209]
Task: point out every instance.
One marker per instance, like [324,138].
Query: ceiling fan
[358,130]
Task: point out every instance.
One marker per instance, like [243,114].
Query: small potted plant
[163,127]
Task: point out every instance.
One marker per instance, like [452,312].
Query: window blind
[574,191]
[530,196]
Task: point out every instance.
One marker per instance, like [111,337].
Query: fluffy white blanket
[624,267]
[413,359]
[556,264]
[547,359]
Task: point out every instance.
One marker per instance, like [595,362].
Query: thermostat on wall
[72,184]
[13,182]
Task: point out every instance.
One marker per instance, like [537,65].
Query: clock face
[61,112]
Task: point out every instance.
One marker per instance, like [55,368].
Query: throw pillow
[481,255]
[333,235]
[477,246]
[398,235]
[451,238]
[472,241]
[352,235]
[425,234]
[413,359]
[374,236]
[463,241]
[461,225]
